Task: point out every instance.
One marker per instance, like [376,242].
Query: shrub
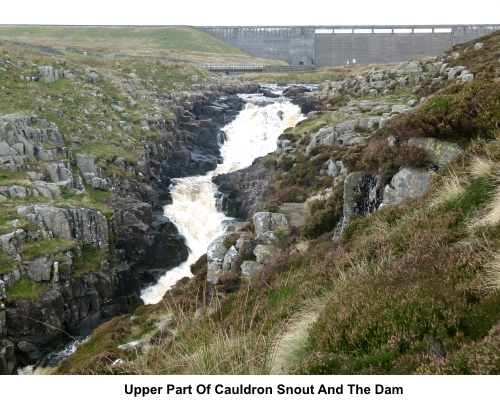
[293,194]
[324,215]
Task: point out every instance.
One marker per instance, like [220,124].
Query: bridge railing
[231,66]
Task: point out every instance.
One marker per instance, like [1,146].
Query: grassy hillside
[176,42]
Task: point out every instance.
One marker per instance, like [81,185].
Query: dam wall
[324,46]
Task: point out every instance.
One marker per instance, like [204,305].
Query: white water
[253,133]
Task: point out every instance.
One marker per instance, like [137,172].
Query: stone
[478,46]
[10,242]
[29,350]
[357,140]
[3,297]
[467,77]
[412,103]
[251,269]
[227,263]
[216,252]
[59,172]
[39,269]
[438,152]
[19,192]
[268,238]
[92,174]
[325,136]
[408,183]
[267,221]
[87,225]
[399,108]
[265,254]
[48,190]
[48,74]
[362,196]
[76,142]
[332,168]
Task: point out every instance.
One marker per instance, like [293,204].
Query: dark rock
[243,191]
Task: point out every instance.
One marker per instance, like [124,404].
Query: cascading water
[253,133]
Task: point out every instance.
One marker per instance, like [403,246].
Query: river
[252,134]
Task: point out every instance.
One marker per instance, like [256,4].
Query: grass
[7,264]
[124,39]
[25,289]
[46,247]
[89,261]
[181,43]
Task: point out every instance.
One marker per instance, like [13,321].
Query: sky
[253,12]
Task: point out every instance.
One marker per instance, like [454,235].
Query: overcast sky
[252,12]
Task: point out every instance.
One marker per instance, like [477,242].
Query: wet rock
[362,196]
[243,191]
[30,351]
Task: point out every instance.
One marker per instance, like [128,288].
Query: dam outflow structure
[324,46]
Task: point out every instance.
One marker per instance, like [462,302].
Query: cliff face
[89,229]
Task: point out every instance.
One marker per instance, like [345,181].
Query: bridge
[338,45]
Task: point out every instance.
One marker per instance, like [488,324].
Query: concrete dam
[324,46]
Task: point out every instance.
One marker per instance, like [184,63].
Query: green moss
[25,289]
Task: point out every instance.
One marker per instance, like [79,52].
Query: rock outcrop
[408,183]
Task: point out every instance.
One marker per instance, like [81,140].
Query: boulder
[10,242]
[251,269]
[216,253]
[362,196]
[229,258]
[30,351]
[48,74]
[265,254]
[438,152]
[325,136]
[408,183]
[92,174]
[268,221]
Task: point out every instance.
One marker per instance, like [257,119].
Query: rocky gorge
[89,262]
[365,229]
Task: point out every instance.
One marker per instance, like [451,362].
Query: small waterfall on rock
[253,133]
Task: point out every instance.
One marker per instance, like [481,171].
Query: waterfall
[253,133]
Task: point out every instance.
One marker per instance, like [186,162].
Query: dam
[337,45]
